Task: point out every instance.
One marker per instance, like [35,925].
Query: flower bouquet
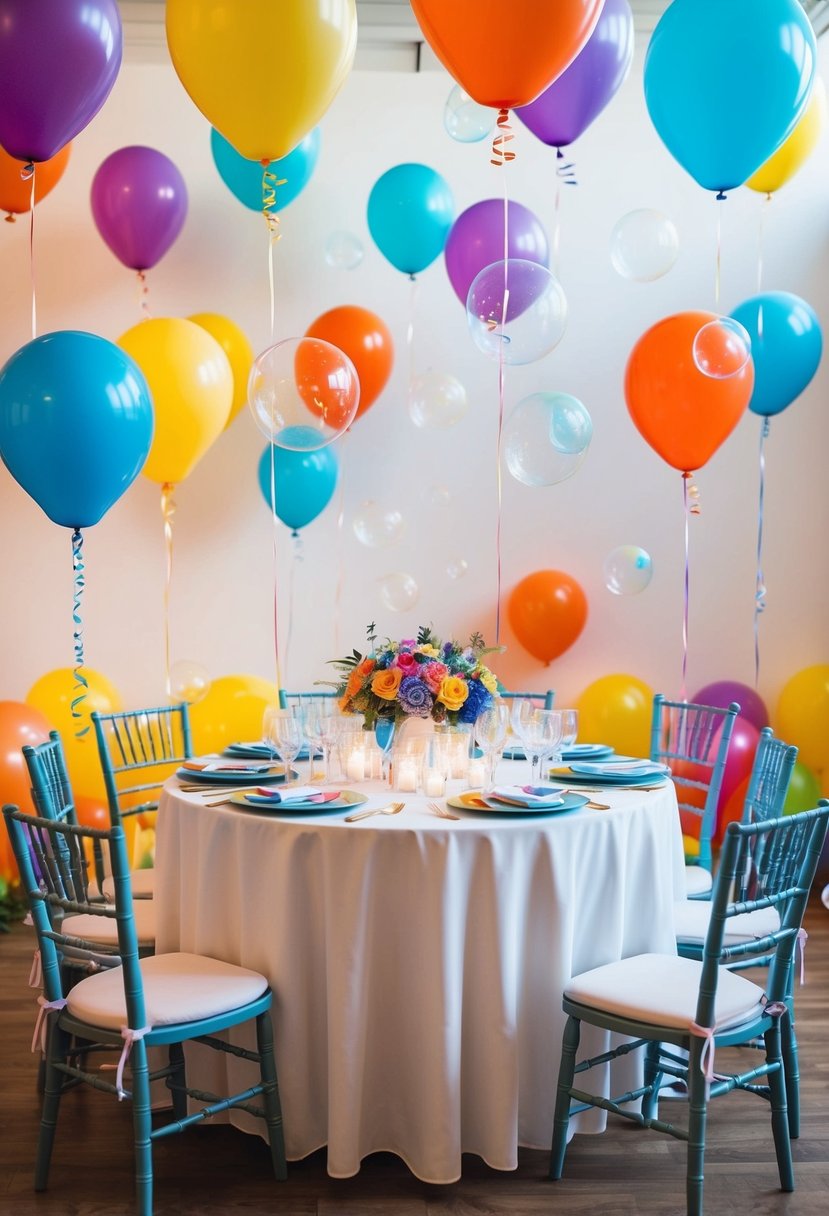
[417,678]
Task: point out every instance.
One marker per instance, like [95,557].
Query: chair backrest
[547,697]
[51,857]
[287,699]
[771,774]
[693,741]
[138,751]
[769,864]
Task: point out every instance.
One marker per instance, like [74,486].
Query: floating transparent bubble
[457,567]
[722,348]
[644,245]
[437,496]
[465,119]
[303,393]
[437,400]
[546,438]
[189,682]
[627,570]
[516,310]
[344,250]
[399,591]
[376,526]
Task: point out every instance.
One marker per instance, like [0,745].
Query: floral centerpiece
[419,677]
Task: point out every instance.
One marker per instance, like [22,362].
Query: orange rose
[386,683]
[355,683]
[453,692]
[366,667]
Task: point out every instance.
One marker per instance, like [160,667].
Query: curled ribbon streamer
[567,172]
[269,186]
[168,510]
[78,583]
[760,584]
[500,153]
[143,294]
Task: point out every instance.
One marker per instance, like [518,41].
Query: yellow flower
[431,651]
[386,683]
[453,692]
[488,680]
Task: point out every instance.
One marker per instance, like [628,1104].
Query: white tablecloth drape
[418,964]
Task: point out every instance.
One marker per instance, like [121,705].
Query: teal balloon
[726,82]
[410,212]
[76,424]
[243,177]
[304,480]
[786,347]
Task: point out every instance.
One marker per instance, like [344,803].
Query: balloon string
[28,172]
[557,229]
[143,295]
[168,510]
[79,582]
[761,241]
[500,441]
[275,558]
[269,186]
[297,557]
[500,153]
[718,272]
[338,594]
[410,331]
[686,590]
[760,585]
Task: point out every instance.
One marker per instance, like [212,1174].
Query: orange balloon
[16,192]
[682,413]
[19,724]
[547,611]
[506,56]
[366,340]
[328,384]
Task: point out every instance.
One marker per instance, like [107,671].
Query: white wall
[624,493]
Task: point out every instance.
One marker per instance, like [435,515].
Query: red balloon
[732,811]
[682,413]
[547,611]
[366,340]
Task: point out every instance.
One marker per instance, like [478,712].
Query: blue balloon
[726,81]
[243,177]
[786,346]
[410,212]
[76,424]
[304,480]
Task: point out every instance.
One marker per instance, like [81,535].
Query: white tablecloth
[418,964]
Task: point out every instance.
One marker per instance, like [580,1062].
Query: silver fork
[441,812]
[394,808]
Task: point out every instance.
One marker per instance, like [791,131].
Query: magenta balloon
[58,63]
[139,203]
[476,240]
[741,749]
[723,692]
[566,109]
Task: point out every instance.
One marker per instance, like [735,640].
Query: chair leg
[561,1119]
[57,1045]
[788,1047]
[178,1081]
[273,1106]
[779,1117]
[697,1116]
[142,1126]
[652,1078]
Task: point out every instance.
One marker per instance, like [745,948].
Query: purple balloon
[566,109]
[723,692]
[58,63]
[476,240]
[139,203]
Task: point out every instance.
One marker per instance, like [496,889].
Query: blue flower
[477,701]
[414,697]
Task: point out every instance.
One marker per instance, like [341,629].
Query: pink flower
[406,662]
[432,675]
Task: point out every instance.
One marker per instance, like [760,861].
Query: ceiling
[389,37]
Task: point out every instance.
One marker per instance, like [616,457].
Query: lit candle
[355,765]
[477,773]
[435,783]
[407,774]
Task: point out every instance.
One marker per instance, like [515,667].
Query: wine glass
[384,736]
[490,731]
[569,732]
[314,711]
[550,744]
[285,733]
[540,732]
[267,727]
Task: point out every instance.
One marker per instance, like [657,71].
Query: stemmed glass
[329,728]
[540,732]
[569,732]
[284,731]
[313,712]
[384,736]
[490,732]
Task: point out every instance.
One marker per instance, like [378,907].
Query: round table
[418,963]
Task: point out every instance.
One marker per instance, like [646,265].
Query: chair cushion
[102,928]
[141,881]
[692,916]
[177,988]
[663,989]
[698,880]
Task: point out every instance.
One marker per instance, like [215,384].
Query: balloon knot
[11,219]
[264,162]
[766,427]
[721,197]
[27,170]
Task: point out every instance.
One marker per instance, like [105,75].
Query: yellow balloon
[238,350]
[617,710]
[232,712]
[191,383]
[53,695]
[262,74]
[795,150]
[803,715]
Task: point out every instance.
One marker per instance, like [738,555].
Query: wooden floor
[220,1170]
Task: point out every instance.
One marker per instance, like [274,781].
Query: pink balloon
[476,240]
[722,692]
[741,750]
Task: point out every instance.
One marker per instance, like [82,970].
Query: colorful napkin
[528,795]
[292,797]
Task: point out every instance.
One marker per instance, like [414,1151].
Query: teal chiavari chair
[289,699]
[700,1005]
[692,740]
[545,698]
[163,1000]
